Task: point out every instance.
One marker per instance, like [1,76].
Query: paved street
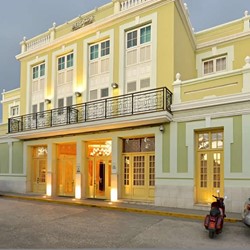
[30,224]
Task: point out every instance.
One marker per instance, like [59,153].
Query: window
[99,70]
[38,71]
[139,59]
[65,61]
[145,36]
[214,65]
[14,110]
[99,50]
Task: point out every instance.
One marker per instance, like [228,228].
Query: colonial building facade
[127,102]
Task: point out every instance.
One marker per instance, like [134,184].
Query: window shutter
[131,86]
[131,57]
[93,94]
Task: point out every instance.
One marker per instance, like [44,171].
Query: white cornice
[215,101]
[96,26]
[186,21]
[11,99]
[221,114]
[223,40]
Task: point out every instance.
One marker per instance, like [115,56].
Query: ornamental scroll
[83,22]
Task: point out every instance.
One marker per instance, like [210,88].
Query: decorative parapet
[38,41]
[177,89]
[246,21]
[83,22]
[127,4]
[246,76]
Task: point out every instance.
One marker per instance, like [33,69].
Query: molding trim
[237,98]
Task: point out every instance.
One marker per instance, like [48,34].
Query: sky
[29,18]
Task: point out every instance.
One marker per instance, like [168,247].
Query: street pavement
[123,205]
[40,224]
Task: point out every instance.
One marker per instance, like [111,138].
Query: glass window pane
[94,52]
[42,69]
[221,64]
[203,141]
[61,63]
[35,72]
[132,39]
[105,48]
[69,60]
[208,67]
[145,35]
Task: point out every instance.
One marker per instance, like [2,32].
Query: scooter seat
[214,211]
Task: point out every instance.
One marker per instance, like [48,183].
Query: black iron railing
[143,102]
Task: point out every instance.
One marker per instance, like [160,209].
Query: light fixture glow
[77,94]
[114,85]
[47,101]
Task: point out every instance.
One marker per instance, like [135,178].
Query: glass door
[210,166]
[66,175]
[99,177]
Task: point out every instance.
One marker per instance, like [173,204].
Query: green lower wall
[166,149]
[182,166]
[17,158]
[236,147]
[4,158]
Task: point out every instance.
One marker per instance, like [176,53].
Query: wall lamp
[161,128]
[77,94]
[114,85]
[47,101]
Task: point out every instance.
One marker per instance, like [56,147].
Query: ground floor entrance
[39,169]
[209,165]
[66,169]
[99,177]
[98,170]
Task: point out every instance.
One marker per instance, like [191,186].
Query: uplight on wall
[114,85]
[47,101]
[114,195]
[77,94]
[48,184]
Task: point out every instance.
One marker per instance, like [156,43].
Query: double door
[138,176]
[39,175]
[66,175]
[99,177]
[210,166]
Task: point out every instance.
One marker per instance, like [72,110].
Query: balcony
[130,110]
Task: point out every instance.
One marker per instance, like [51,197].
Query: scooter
[214,220]
[246,213]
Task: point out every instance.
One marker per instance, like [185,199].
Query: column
[49,170]
[116,161]
[78,177]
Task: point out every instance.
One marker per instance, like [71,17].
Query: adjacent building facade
[127,102]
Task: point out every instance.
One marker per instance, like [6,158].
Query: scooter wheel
[211,234]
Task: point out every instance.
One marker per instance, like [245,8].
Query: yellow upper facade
[138,44]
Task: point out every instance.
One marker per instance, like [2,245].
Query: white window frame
[138,22]
[214,63]
[215,52]
[16,108]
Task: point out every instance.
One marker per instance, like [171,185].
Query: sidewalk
[122,205]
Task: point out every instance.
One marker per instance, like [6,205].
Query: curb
[113,207]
